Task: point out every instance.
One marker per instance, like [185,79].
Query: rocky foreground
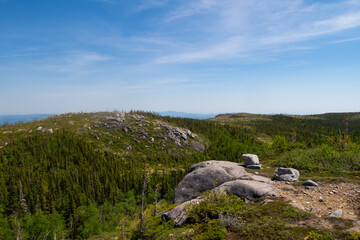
[218,176]
[334,200]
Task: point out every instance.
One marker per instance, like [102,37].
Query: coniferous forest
[67,185]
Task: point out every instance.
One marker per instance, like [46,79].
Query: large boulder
[248,189]
[219,177]
[286,174]
[250,159]
[205,176]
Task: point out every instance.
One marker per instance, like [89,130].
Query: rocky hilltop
[119,132]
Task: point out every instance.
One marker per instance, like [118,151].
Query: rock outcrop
[219,177]
[182,137]
[286,174]
[141,129]
[205,176]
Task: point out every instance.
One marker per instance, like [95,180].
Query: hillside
[59,165]
[77,175]
[297,127]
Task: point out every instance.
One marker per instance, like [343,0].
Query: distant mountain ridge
[187,115]
[12,119]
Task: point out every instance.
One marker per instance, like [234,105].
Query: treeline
[302,131]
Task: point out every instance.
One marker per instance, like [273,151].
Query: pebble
[289,188]
[313,209]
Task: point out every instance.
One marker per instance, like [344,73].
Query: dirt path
[324,199]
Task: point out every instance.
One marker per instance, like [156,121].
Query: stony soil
[325,199]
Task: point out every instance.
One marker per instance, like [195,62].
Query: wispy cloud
[79,58]
[75,63]
[346,40]
[190,9]
[238,29]
[147,4]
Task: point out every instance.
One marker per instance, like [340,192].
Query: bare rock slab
[248,189]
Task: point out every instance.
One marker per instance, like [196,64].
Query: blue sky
[201,56]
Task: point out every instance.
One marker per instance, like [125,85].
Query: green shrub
[323,158]
[210,231]
[319,236]
[355,236]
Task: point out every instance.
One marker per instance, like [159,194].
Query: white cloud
[346,40]
[238,29]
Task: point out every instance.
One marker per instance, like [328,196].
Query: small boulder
[313,210]
[48,130]
[250,159]
[289,188]
[287,174]
[336,214]
[310,183]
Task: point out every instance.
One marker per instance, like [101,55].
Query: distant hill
[11,119]
[187,115]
